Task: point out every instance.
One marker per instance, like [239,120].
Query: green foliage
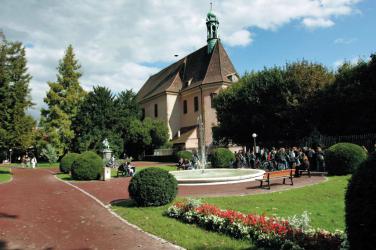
[222,158]
[153,187]
[275,99]
[344,107]
[184,155]
[16,127]
[361,206]
[67,161]
[88,166]
[344,158]
[50,153]
[63,100]
[96,120]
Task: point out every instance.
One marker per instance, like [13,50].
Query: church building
[182,93]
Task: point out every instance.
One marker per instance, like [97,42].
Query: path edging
[108,208]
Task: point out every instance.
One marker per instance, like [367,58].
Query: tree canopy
[16,126]
[63,100]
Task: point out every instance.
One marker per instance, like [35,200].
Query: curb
[108,208]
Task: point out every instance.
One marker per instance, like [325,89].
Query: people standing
[33,162]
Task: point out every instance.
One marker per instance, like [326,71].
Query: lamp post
[254,135]
[10,155]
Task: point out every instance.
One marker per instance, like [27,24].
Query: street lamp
[10,155]
[254,135]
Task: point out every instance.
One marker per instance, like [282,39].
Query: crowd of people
[283,158]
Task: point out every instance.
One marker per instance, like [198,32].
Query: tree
[16,127]
[63,99]
[50,153]
[274,99]
[96,120]
[347,106]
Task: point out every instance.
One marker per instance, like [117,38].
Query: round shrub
[67,161]
[88,166]
[344,158]
[185,155]
[153,187]
[361,206]
[222,158]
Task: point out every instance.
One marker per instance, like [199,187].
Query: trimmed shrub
[88,166]
[67,161]
[222,158]
[185,155]
[153,187]
[344,158]
[361,206]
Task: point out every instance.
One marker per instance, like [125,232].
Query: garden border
[11,177]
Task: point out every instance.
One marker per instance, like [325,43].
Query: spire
[212,28]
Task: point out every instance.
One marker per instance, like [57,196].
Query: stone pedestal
[106,174]
[107,153]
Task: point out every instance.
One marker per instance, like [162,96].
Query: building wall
[173,114]
[161,101]
[190,118]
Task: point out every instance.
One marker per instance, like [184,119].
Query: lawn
[5,174]
[324,202]
[67,177]
[39,165]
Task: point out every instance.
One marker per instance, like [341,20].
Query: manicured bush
[88,166]
[344,158]
[361,206]
[222,158]
[185,155]
[153,187]
[67,161]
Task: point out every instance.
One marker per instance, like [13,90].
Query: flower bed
[266,232]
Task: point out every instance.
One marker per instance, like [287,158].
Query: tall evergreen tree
[63,99]
[16,127]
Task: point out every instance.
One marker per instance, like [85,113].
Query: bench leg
[284,181]
[292,182]
[261,182]
[268,184]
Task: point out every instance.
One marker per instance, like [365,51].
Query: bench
[307,171]
[275,175]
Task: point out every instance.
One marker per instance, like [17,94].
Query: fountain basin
[215,176]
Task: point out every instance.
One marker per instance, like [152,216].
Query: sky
[120,43]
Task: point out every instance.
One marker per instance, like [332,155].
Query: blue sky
[120,43]
[351,37]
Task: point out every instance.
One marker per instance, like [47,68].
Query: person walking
[33,162]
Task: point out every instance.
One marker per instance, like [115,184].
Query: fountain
[213,176]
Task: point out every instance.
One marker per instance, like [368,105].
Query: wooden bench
[275,175]
[307,171]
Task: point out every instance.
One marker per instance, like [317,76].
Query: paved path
[37,211]
[117,188]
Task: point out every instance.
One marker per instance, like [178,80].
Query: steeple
[212,27]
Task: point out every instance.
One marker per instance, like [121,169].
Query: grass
[5,174]
[324,202]
[67,177]
[39,165]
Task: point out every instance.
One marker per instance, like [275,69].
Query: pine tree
[16,127]
[63,99]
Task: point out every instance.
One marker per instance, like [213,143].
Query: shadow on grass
[124,203]
[4,172]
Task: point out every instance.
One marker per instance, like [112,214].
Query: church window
[185,107]
[212,95]
[196,103]
[155,110]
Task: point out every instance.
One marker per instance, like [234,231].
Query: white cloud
[344,41]
[116,41]
[317,22]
